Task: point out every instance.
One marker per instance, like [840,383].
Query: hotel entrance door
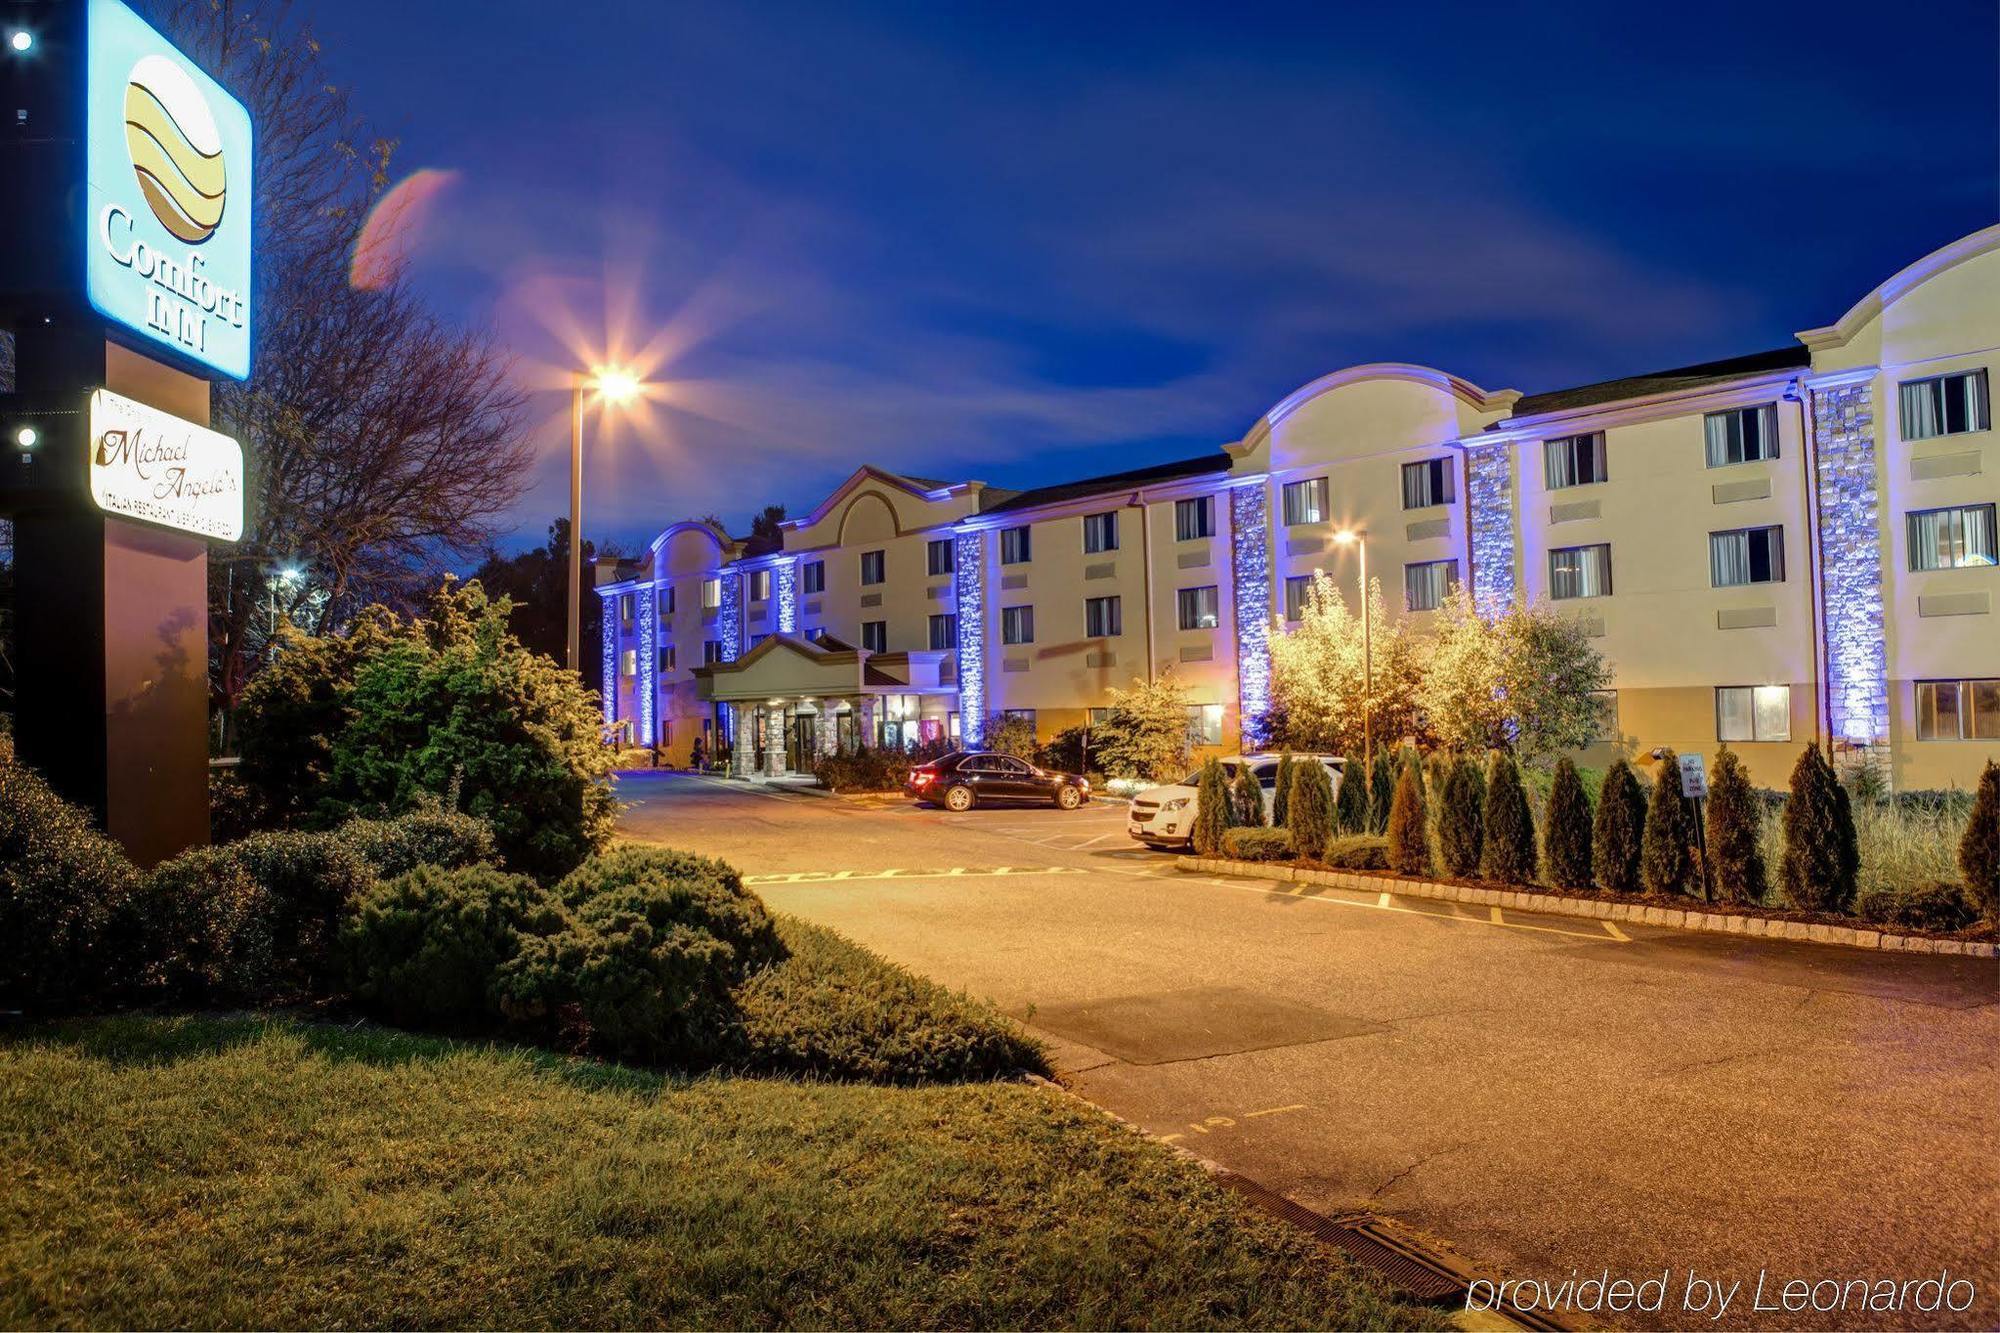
[802,743]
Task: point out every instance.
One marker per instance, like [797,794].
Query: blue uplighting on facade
[1250,566]
[785,578]
[1851,562]
[648,685]
[609,687]
[969,562]
[729,616]
[1489,489]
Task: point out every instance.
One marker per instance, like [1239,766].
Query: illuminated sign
[147,465]
[169,171]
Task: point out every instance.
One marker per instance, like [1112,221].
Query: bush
[1381,791]
[1211,809]
[1734,826]
[62,885]
[1666,857]
[1281,791]
[1567,830]
[1508,856]
[309,881]
[1311,813]
[426,948]
[1979,849]
[871,769]
[1258,844]
[1409,836]
[1937,905]
[427,836]
[1618,833]
[1818,864]
[1461,821]
[199,931]
[1248,805]
[702,893]
[1358,851]
[1350,807]
[1012,735]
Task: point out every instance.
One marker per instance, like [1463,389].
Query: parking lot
[1538,1093]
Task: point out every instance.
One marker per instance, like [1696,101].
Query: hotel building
[1774,550]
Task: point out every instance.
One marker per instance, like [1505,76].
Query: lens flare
[396,227]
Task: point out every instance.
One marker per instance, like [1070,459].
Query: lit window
[1744,435]
[666,658]
[628,662]
[937,556]
[1305,501]
[1200,608]
[1100,533]
[760,585]
[875,635]
[1958,710]
[1297,587]
[1753,712]
[1204,724]
[1193,519]
[1102,617]
[1944,405]
[1580,571]
[1427,483]
[1017,624]
[1014,546]
[812,576]
[1426,585]
[625,609]
[944,633]
[711,594]
[1956,538]
[1097,717]
[872,566]
[1746,555]
[1574,460]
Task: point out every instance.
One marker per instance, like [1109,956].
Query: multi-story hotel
[1786,548]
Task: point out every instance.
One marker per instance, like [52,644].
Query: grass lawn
[244,1172]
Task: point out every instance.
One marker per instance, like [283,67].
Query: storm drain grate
[1416,1272]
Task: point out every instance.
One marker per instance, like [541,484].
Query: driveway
[1536,1093]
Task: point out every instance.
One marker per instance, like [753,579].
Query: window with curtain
[875,635]
[944,633]
[937,556]
[1574,460]
[1200,608]
[1427,483]
[1103,617]
[1753,712]
[1944,405]
[664,601]
[625,609]
[1100,533]
[873,567]
[1742,435]
[1958,710]
[711,651]
[1426,585]
[1956,538]
[1746,555]
[711,594]
[665,661]
[1204,724]
[1296,588]
[1014,547]
[1580,571]
[628,662]
[812,577]
[1305,501]
[1193,519]
[760,585]
[1017,624]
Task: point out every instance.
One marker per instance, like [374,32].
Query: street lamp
[614,385]
[1359,539]
[287,575]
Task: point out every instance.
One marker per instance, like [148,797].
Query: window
[711,651]
[1194,519]
[1305,501]
[944,633]
[760,585]
[1200,608]
[1427,483]
[875,635]
[1297,586]
[625,609]
[1580,571]
[1958,710]
[711,594]
[817,634]
[812,576]
[756,639]
[1026,715]
[1746,555]
[1204,724]
[628,662]
[1606,703]
[1102,617]
[1574,460]
[1944,405]
[1951,538]
[1100,533]
[1753,712]
[1744,435]
[871,567]
[664,600]
[1097,717]
[666,658]
[937,556]
[1425,585]
[1017,624]
[1014,547]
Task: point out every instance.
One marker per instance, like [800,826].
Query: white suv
[1164,816]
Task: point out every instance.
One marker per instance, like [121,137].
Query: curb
[1718,923]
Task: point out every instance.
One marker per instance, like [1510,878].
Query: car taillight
[919,777]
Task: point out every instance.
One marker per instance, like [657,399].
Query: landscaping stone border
[1603,909]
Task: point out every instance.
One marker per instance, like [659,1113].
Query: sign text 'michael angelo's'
[182,299]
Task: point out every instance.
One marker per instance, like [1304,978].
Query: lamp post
[1359,539]
[613,386]
[287,575]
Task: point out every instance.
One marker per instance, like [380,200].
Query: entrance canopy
[784,667]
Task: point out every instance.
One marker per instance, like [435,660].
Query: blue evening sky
[1024,243]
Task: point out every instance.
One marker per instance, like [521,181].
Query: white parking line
[855,876]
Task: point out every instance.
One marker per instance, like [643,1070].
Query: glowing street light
[1359,538]
[27,437]
[21,40]
[614,385]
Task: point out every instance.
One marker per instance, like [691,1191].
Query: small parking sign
[1694,777]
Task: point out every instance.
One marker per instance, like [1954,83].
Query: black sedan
[965,778]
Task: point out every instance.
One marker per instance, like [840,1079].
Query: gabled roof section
[1664,381]
[1480,400]
[1937,261]
[1110,482]
[922,487]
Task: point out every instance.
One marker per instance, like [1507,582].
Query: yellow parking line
[1384,900]
[955,872]
[1274,1110]
[1498,920]
[1615,933]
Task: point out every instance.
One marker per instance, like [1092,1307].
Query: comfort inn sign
[168,165]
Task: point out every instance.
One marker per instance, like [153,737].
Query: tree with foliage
[767,530]
[1409,825]
[1735,843]
[1979,848]
[1618,834]
[1145,732]
[1816,869]
[1350,813]
[1249,799]
[1508,855]
[1320,675]
[1523,680]
[1567,829]
[535,583]
[396,713]
[1666,856]
[1211,808]
[1012,734]
[1281,790]
[1381,791]
[1310,809]
[1461,821]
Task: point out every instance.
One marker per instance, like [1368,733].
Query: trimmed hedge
[1409,825]
[1212,809]
[1666,856]
[1617,834]
[1979,849]
[1310,817]
[1357,851]
[1461,821]
[1508,854]
[700,892]
[1258,844]
[309,881]
[1937,905]
[433,836]
[200,931]
[1820,861]
[1248,797]
[1566,830]
[1735,832]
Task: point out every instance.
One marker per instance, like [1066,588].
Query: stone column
[1850,535]
[743,754]
[774,741]
[829,726]
[864,721]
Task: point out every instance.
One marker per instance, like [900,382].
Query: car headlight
[1178,803]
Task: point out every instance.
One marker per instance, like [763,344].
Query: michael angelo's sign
[159,469]
[169,172]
